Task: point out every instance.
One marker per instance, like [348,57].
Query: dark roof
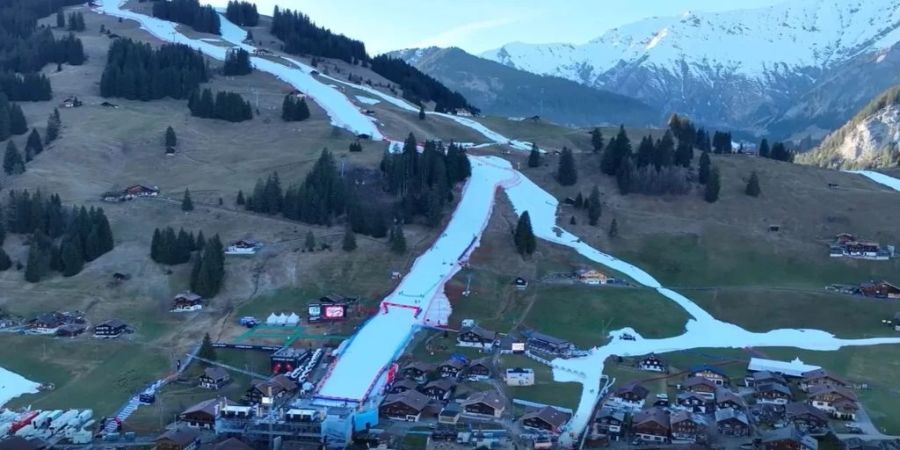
[216,373]
[483,333]
[789,433]
[705,367]
[765,375]
[405,382]
[442,383]
[822,373]
[420,365]
[696,381]
[774,387]
[657,415]
[485,361]
[818,390]
[606,411]
[794,409]
[411,398]
[454,363]
[228,444]
[634,387]
[550,415]
[490,398]
[680,416]
[724,395]
[723,414]
[207,406]
[182,436]
[547,338]
[113,323]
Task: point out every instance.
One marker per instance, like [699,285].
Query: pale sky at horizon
[480,25]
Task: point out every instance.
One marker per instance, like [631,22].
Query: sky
[480,25]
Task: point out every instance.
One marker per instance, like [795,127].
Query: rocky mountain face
[870,140]
[501,90]
[786,69]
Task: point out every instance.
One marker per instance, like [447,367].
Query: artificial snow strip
[13,385]
[879,178]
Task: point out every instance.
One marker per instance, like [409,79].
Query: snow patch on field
[367,100]
[880,178]
[13,385]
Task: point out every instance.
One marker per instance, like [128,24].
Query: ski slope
[13,385]
[880,178]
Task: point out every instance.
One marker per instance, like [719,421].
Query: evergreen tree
[349,242]
[781,153]
[355,147]
[53,126]
[534,158]
[202,18]
[753,185]
[17,123]
[618,150]
[171,139]
[422,112]
[294,109]
[310,244]
[597,140]
[12,160]
[567,173]
[242,13]
[72,257]
[34,145]
[5,262]
[207,351]
[664,151]
[208,272]
[5,119]
[703,173]
[625,176]
[60,19]
[524,235]
[594,207]
[711,193]
[579,201]
[764,148]
[613,229]
[684,154]
[186,203]
[38,263]
[398,240]
[645,152]
[240,198]
[237,62]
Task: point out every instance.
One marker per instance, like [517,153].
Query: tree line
[25,48]
[237,62]
[242,13]
[419,87]
[168,247]
[204,19]
[301,36]
[136,71]
[13,162]
[62,239]
[74,22]
[12,119]
[225,105]
[25,87]
[294,109]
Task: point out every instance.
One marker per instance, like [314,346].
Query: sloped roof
[550,415]
[490,398]
[181,436]
[634,387]
[723,414]
[412,398]
[822,373]
[656,415]
[216,373]
[794,409]
[819,390]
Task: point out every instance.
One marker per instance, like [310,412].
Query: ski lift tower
[468,291]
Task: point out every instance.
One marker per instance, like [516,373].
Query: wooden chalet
[110,329]
[692,401]
[788,438]
[711,373]
[47,323]
[701,386]
[821,377]
[451,368]
[214,378]
[278,387]
[203,414]
[549,344]
[450,415]
[838,401]
[407,406]
[652,363]
[479,369]
[187,301]
[137,190]
[611,422]
[686,426]
[773,393]
[484,403]
[880,289]
[417,370]
[180,439]
[591,276]
[651,425]
[227,444]
[518,376]
[477,337]
[402,385]
[520,283]
[763,377]
[440,389]
[732,422]
[805,416]
[631,394]
[547,419]
[725,398]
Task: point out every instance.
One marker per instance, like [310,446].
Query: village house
[214,378]
[773,394]
[407,406]
[451,368]
[484,404]
[244,247]
[450,414]
[276,388]
[788,438]
[479,369]
[518,376]
[838,401]
[549,344]
[692,401]
[203,414]
[725,398]
[631,395]
[732,422]
[402,385]
[701,386]
[651,425]
[179,439]
[763,377]
[610,422]
[135,191]
[71,330]
[591,276]
[880,289]
[227,444]
[548,419]
[821,377]
[805,416]
[847,245]
[187,301]
[711,373]
[440,389]
[476,337]
[110,329]
[652,363]
[417,370]
[520,283]
[686,426]
[512,344]
[46,323]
